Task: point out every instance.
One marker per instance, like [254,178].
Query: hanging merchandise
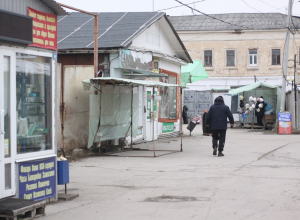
[258,99]
[250,98]
[247,112]
[241,97]
[240,111]
[242,105]
[244,116]
[261,100]
[251,108]
[260,105]
[247,106]
[254,99]
[258,110]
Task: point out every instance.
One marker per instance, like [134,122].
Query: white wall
[160,37]
[264,41]
[167,65]
[228,82]
[115,63]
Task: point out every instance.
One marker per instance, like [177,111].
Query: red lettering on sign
[44,29]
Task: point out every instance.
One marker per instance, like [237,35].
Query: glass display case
[34,103]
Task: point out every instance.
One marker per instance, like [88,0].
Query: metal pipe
[286,56]
[76,9]
[153,118]
[95,33]
[181,118]
[131,115]
[295,90]
[96,45]
[99,125]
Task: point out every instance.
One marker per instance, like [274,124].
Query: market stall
[114,105]
[250,97]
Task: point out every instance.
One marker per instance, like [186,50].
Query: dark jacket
[262,110]
[217,115]
[184,115]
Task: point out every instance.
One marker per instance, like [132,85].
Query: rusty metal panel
[197,101]
[75,109]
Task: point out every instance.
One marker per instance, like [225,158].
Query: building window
[208,58]
[253,57]
[230,57]
[275,56]
[168,103]
[34,103]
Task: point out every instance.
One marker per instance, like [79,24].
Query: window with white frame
[34,103]
[230,57]
[253,57]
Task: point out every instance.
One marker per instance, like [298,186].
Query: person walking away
[260,111]
[217,119]
[184,114]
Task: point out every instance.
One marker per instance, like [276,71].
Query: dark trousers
[259,120]
[218,135]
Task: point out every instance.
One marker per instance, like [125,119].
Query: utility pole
[295,91]
[153,6]
[286,56]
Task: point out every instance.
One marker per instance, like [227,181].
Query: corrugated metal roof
[20,6]
[55,7]
[121,81]
[248,21]
[112,31]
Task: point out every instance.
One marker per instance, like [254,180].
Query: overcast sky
[206,6]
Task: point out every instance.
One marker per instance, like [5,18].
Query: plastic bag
[244,116]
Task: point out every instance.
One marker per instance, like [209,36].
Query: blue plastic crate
[62,172]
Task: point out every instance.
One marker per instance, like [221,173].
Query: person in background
[260,111]
[184,114]
[217,119]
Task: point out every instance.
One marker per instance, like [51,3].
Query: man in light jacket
[217,119]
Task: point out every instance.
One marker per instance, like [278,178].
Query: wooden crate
[269,118]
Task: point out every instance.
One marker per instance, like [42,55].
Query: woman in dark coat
[184,115]
[260,114]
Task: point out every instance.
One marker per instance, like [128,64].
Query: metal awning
[120,81]
[136,72]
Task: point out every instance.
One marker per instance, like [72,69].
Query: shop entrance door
[7,123]
[149,120]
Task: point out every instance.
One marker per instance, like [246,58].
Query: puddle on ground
[175,199]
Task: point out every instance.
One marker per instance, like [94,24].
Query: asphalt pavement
[257,179]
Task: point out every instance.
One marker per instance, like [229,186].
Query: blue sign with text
[37,179]
[284,116]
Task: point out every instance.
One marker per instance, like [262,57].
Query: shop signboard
[44,29]
[149,99]
[297,78]
[178,97]
[155,105]
[168,127]
[15,27]
[6,147]
[284,123]
[37,179]
[148,105]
